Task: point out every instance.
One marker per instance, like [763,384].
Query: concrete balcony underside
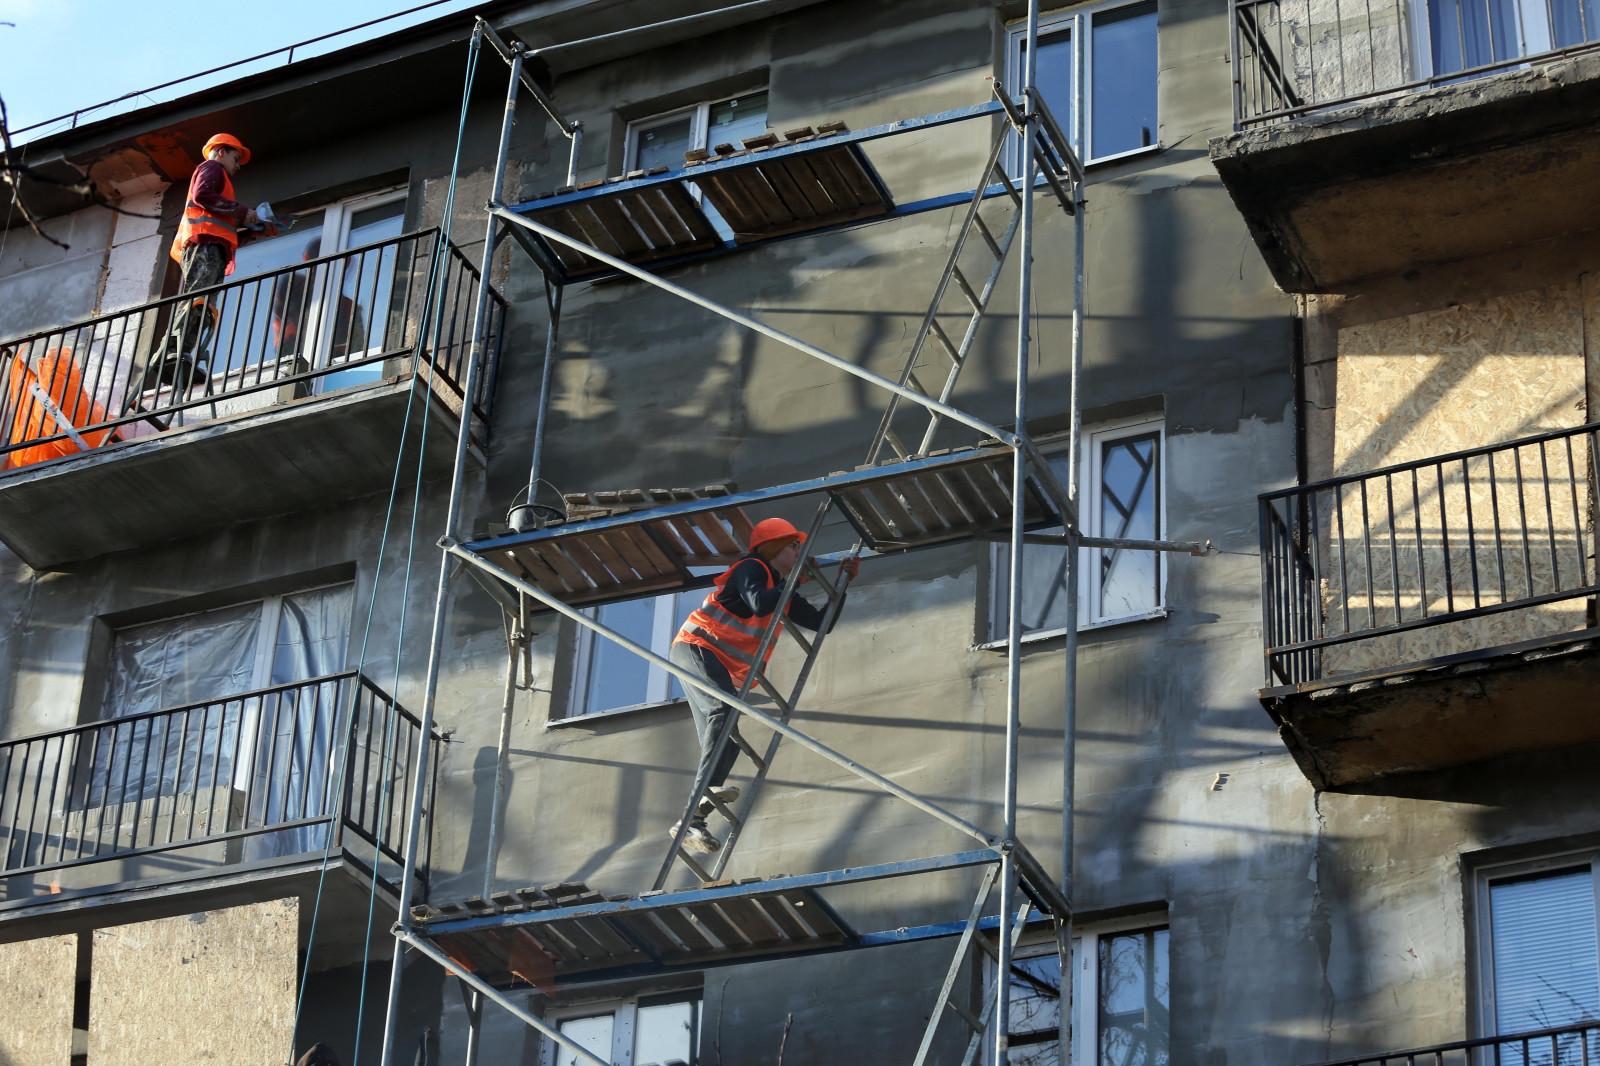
[1536,695]
[1381,188]
[288,457]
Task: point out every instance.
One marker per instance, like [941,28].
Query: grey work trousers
[709,714]
[204,264]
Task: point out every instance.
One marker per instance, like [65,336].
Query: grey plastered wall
[1287,911]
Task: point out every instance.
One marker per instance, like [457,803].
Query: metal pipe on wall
[408,867]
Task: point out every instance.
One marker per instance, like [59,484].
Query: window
[1121,495]
[662,140]
[322,317]
[285,740]
[1119,65]
[607,677]
[1464,34]
[1120,998]
[1538,956]
[646,1031]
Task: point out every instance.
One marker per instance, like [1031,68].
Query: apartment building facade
[222,595]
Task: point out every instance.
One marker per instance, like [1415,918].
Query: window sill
[613,713]
[1042,635]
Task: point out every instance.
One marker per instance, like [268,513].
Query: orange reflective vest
[733,640]
[197,221]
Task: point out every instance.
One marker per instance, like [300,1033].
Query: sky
[66,54]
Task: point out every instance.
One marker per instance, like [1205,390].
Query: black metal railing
[260,768]
[328,323]
[1295,56]
[1367,559]
[1567,1045]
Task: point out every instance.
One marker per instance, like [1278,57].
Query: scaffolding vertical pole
[1073,579]
[1019,487]
[408,866]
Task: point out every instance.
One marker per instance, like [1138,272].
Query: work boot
[723,794]
[696,838]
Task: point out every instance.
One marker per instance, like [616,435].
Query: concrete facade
[1303,925]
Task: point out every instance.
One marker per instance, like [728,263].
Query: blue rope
[431,314]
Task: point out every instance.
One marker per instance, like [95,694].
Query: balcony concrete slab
[1386,186]
[288,457]
[1537,695]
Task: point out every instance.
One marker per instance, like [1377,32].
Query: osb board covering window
[217,986]
[39,978]
[1437,382]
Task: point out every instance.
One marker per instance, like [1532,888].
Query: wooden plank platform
[576,931]
[643,542]
[773,196]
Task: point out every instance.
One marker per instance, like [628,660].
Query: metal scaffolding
[905,498]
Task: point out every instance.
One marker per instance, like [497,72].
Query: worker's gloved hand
[851,566]
[251,218]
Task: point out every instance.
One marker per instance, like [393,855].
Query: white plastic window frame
[699,126]
[624,1013]
[1486,876]
[657,682]
[1084,1023]
[1080,123]
[1089,489]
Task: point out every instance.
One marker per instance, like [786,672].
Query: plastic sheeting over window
[270,751]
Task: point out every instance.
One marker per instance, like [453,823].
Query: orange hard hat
[770,529]
[225,140]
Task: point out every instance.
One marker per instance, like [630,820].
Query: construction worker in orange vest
[719,641]
[204,246]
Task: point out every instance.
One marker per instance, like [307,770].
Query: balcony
[271,394]
[1434,613]
[190,807]
[1567,1045]
[1453,128]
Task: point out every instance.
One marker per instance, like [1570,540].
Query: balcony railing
[325,324]
[1569,1045]
[1295,56]
[259,772]
[1454,553]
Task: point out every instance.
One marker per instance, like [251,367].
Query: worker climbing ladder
[804,183]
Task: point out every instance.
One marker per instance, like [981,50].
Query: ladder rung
[973,1022]
[967,290]
[798,639]
[988,237]
[949,345]
[750,752]
[1005,179]
[726,812]
[896,444]
[694,867]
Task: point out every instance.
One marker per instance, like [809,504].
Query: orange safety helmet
[771,529]
[226,140]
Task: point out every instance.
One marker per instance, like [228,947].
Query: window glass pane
[1035,991]
[1055,77]
[1122,97]
[1544,950]
[591,1034]
[733,120]
[1134,996]
[1044,573]
[664,1032]
[617,677]
[259,322]
[1129,493]
[663,144]
[360,322]
[1471,33]
[683,605]
[1576,22]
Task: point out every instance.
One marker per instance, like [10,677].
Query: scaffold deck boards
[894,506]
